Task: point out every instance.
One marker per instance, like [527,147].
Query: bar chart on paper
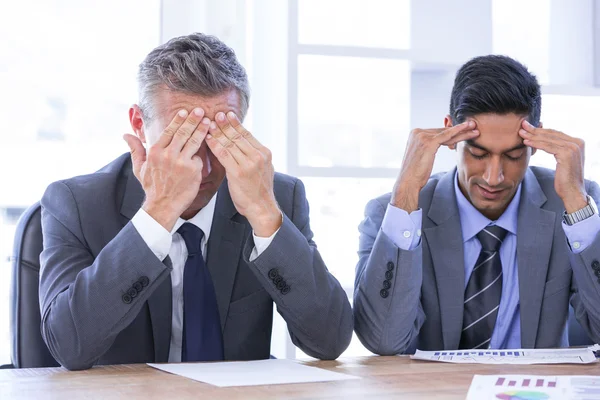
[526,387]
[516,356]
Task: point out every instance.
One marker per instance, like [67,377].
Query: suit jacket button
[281,284]
[384,293]
[126,298]
[597,273]
[286,289]
[277,279]
[138,286]
[387,284]
[273,273]
[389,275]
[390,266]
[132,292]
[596,265]
[144,281]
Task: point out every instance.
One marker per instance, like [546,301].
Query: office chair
[28,349]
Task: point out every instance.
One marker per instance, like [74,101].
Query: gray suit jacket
[424,307]
[93,256]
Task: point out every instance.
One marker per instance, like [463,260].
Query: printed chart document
[251,373]
[531,387]
[518,356]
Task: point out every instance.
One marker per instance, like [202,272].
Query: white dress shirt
[163,243]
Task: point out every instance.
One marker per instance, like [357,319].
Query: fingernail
[182,113]
[476,131]
[528,124]
[221,116]
[198,111]
[523,132]
[213,125]
[471,123]
[208,136]
[206,121]
[231,114]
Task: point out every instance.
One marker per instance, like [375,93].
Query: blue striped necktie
[483,292]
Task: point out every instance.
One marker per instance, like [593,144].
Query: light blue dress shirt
[404,230]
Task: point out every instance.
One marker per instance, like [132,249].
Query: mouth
[490,194]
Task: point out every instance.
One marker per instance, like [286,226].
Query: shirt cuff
[156,237]
[582,234]
[261,243]
[402,228]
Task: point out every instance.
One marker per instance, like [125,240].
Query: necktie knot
[192,236]
[491,237]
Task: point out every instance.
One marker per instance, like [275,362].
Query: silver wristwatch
[580,215]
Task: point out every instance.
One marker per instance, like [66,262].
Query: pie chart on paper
[522,395]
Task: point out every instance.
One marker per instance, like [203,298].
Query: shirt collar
[203,219]
[472,221]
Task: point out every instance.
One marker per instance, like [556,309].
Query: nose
[494,175]
[203,154]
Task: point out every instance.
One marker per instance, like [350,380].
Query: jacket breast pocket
[558,283]
[249,302]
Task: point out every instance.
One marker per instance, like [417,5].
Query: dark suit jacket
[93,256]
[424,307]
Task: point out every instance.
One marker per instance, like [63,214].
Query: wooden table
[383,378]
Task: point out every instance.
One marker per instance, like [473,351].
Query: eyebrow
[471,143]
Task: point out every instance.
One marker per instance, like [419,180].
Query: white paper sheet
[517,356]
[533,387]
[252,373]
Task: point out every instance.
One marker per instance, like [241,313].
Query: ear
[448,121]
[137,122]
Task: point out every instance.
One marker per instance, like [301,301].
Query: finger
[548,137]
[224,141]
[527,126]
[167,135]
[546,146]
[550,133]
[137,150]
[448,133]
[186,130]
[195,141]
[225,124]
[222,153]
[237,125]
[462,136]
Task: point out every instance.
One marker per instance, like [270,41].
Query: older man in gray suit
[490,254]
[178,252]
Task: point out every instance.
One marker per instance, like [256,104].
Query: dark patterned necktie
[483,292]
[202,337]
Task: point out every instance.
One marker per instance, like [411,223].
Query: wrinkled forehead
[168,102]
[498,132]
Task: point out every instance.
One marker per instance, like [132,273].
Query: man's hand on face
[419,156]
[170,171]
[569,154]
[249,172]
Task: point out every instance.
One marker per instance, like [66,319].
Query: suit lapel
[535,230]
[160,302]
[446,248]
[224,247]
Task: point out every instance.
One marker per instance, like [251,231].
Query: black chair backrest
[28,347]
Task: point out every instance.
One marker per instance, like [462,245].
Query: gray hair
[195,64]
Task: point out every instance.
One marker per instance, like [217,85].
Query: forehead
[168,102]
[498,132]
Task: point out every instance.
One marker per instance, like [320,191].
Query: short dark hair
[495,84]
